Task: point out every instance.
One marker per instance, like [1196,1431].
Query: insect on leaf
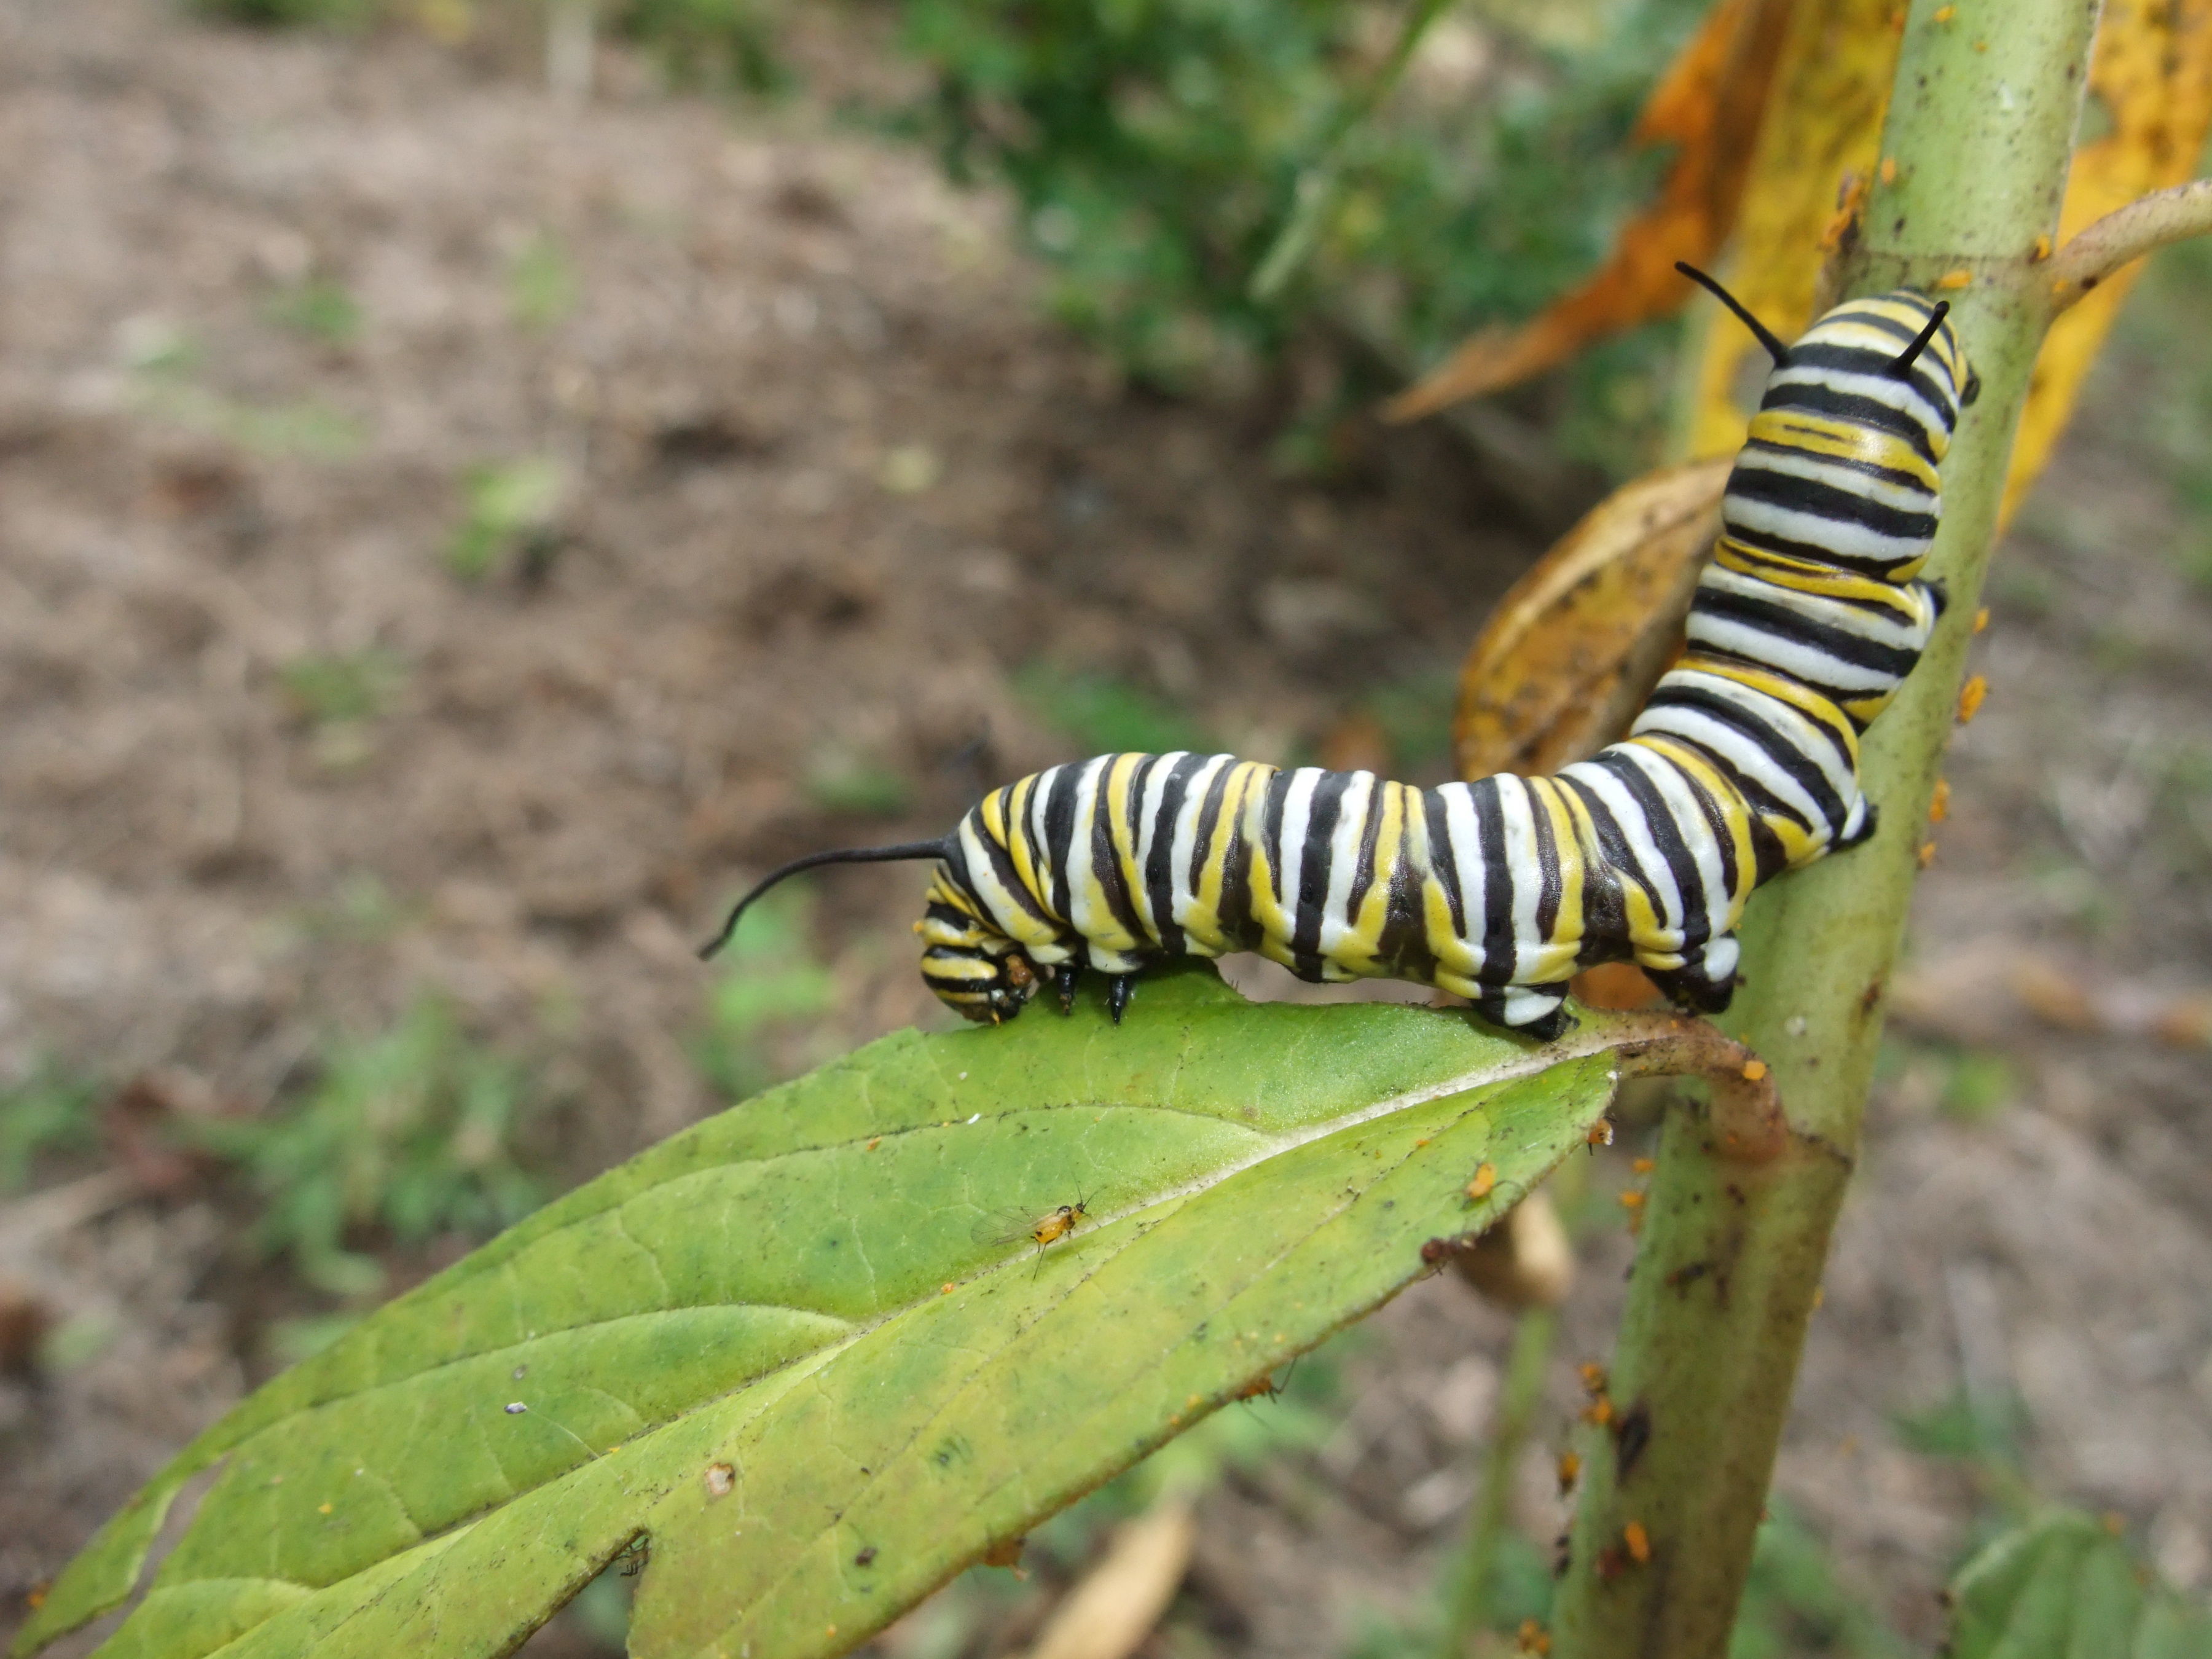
[1707,104]
[768,1356]
[2152,71]
[1574,649]
[1822,129]
[2065,1585]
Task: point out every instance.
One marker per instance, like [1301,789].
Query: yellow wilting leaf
[1822,130]
[2153,73]
[1708,105]
[1574,649]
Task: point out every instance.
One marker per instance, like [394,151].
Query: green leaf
[2065,1587]
[774,1348]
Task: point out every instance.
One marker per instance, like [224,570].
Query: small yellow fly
[1007,1227]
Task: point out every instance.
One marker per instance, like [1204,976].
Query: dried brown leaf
[1822,130]
[1708,105]
[2152,72]
[1573,650]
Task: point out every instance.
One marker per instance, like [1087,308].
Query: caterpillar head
[989,989]
[1900,335]
[974,969]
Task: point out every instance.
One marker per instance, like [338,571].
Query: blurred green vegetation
[410,1132]
[319,308]
[768,980]
[1102,714]
[508,508]
[1158,149]
[282,13]
[1415,714]
[51,1110]
[2166,362]
[1794,1607]
[1980,1085]
[165,362]
[842,778]
[344,686]
[541,283]
[1971,1084]
[710,43]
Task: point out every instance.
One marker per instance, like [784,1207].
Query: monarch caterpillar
[1743,764]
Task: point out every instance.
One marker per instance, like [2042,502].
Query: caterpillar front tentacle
[1743,764]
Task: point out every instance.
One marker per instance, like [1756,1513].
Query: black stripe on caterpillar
[1743,764]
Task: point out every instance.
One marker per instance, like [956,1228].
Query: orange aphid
[1981,619]
[1638,1543]
[1926,855]
[1889,169]
[1953,280]
[1938,804]
[1645,1165]
[1631,1200]
[1850,200]
[1051,1229]
[1598,1412]
[1970,698]
[1485,1181]
[1753,1070]
[1007,1227]
[1593,1376]
[1532,1638]
[1570,1469]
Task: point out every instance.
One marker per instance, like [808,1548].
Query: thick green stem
[1492,1516]
[1979,131]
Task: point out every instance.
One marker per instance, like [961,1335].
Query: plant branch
[2125,234]
[1318,181]
[1975,149]
[1746,1116]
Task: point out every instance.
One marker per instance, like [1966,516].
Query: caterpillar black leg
[1859,834]
[1063,981]
[1694,992]
[1118,988]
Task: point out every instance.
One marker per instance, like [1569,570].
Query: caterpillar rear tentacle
[906,850]
[1743,764]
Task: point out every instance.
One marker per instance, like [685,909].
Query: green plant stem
[1317,182]
[1980,129]
[1486,1522]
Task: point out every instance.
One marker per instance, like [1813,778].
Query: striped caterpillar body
[1743,764]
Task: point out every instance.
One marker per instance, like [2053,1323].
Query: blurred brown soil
[826,479]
